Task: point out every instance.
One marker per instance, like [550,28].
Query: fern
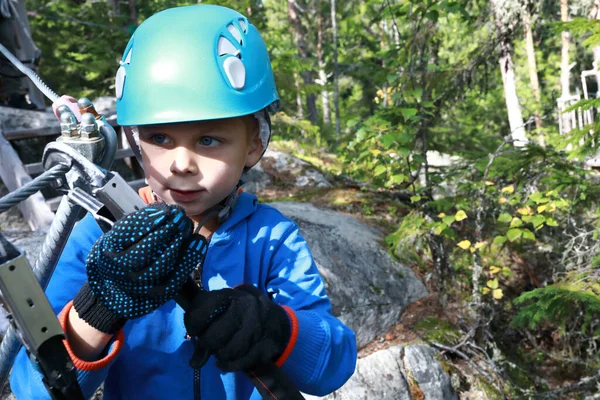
[557,305]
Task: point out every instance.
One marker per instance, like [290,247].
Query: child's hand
[139,265]
[68,101]
[241,327]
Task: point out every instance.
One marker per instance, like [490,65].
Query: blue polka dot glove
[139,265]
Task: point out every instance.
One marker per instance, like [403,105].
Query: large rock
[421,360]
[284,169]
[368,289]
[393,374]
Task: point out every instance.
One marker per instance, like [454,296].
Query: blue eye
[208,141]
[159,138]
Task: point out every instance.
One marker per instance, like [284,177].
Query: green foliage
[559,305]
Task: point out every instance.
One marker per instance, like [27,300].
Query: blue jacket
[256,245]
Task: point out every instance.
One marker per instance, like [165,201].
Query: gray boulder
[395,374]
[284,169]
[368,289]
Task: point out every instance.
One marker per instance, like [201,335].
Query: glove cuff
[93,312]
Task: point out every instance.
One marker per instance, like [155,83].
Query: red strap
[293,337]
[78,362]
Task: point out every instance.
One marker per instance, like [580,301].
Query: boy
[194,86]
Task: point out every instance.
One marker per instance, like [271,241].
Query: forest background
[507,233]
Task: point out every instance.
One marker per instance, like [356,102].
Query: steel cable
[37,184]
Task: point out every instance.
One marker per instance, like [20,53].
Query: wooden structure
[23,124]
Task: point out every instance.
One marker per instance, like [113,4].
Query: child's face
[198,164]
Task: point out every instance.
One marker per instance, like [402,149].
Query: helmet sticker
[235,71]
[120,78]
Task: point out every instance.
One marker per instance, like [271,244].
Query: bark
[595,14]
[515,118]
[564,65]
[322,73]
[300,111]
[303,53]
[533,75]
[336,91]
[133,18]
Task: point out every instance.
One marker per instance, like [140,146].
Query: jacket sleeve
[68,277]
[323,350]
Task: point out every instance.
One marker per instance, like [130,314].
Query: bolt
[89,127]
[68,122]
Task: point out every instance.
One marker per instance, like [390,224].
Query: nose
[184,162]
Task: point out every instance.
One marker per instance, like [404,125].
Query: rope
[29,72]
[37,184]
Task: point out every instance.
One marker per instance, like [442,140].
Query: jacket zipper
[196,378]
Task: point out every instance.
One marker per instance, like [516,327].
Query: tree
[296,23]
[505,13]
[533,73]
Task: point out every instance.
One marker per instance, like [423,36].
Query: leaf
[448,220]
[541,209]
[508,189]
[506,271]
[465,244]
[528,235]
[460,215]
[486,290]
[538,221]
[514,234]
[441,215]
[492,284]
[380,169]
[439,229]
[397,179]
[498,240]
[505,217]
[502,200]
[415,199]
[538,198]
[489,183]
[516,222]
[480,245]
[387,140]
[551,222]
[408,112]
[494,270]
[497,294]
[524,210]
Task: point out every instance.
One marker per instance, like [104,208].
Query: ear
[255,149]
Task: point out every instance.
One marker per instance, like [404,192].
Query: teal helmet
[194,63]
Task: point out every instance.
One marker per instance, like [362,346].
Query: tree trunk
[515,119]
[336,90]
[300,111]
[533,76]
[564,66]
[133,19]
[322,73]
[302,52]
[595,14]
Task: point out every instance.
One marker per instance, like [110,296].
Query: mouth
[185,195]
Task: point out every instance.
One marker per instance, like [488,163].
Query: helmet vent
[226,47]
[243,25]
[235,32]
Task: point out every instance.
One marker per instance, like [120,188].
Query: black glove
[241,327]
[139,265]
